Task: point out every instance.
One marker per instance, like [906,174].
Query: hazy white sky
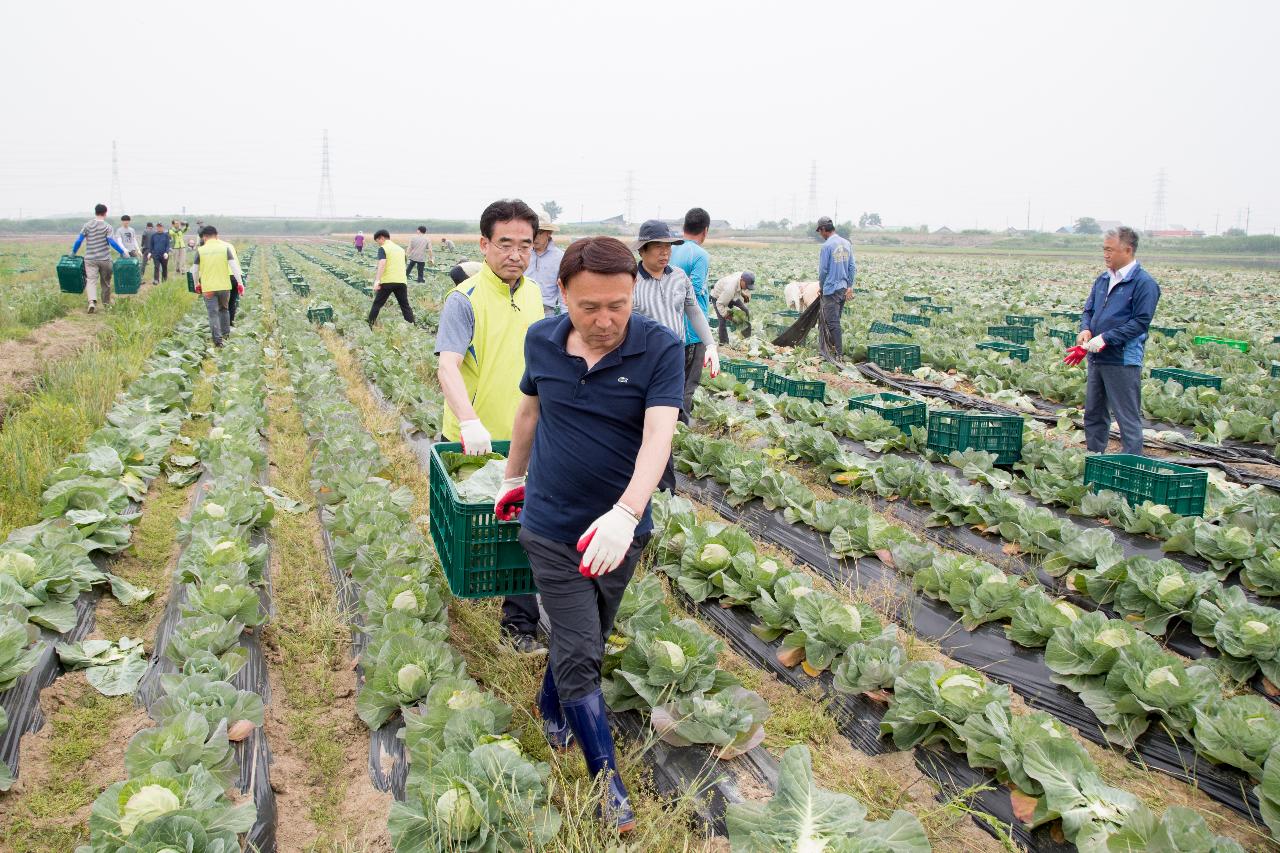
[949,113]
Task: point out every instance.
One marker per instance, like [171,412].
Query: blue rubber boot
[554,725]
[590,723]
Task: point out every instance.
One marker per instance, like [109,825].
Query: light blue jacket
[836,265]
[694,260]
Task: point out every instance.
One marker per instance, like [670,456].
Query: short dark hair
[382,232]
[208,231]
[1125,235]
[506,210]
[458,275]
[99,210]
[603,255]
[422,229]
[126,218]
[148,224]
[696,221]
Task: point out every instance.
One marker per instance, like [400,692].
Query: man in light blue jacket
[836,270]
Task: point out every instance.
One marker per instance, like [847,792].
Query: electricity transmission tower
[325,207]
[1158,212]
[114,197]
[813,191]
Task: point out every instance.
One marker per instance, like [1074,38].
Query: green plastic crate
[746,371]
[302,288]
[321,313]
[1064,335]
[1186,378]
[714,322]
[1017,351]
[912,320]
[1070,315]
[915,298]
[998,434]
[805,389]
[191,282]
[126,276]
[1167,331]
[71,274]
[775,383]
[1016,334]
[900,358]
[1140,478]
[936,309]
[789,314]
[482,557]
[1275,339]
[902,412]
[878,328]
[1243,346]
[763,297]
[1275,370]
[1023,319]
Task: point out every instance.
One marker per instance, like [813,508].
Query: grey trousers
[694,355]
[830,339]
[218,305]
[1113,389]
[581,609]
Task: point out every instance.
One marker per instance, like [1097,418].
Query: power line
[115,195]
[1158,214]
[325,206]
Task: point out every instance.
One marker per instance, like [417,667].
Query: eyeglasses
[506,248]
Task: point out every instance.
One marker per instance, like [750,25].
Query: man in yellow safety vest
[214,264]
[480,345]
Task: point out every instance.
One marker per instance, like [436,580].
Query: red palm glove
[1074,356]
[198,289]
[240,288]
[510,493]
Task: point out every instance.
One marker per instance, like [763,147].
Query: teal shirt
[694,260]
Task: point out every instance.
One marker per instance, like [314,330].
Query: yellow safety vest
[215,270]
[494,363]
[393,273]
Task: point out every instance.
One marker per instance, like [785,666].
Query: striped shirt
[670,302]
[96,233]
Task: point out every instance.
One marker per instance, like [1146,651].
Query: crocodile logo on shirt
[623,379]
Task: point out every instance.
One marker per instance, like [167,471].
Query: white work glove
[1095,344]
[1083,337]
[712,360]
[606,541]
[510,493]
[476,440]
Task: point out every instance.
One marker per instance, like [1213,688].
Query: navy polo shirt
[591,422]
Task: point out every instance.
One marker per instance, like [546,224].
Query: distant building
[1176,232]
[1107,224]
[1065,229]
[943,230]
[1020,232]
[716,225]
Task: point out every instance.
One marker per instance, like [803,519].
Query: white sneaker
[93,306]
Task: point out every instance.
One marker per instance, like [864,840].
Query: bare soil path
[23,360]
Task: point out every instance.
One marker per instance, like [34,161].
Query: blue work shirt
[591,422]
[836,266]
[1122,315]
[160,243]
[694,260]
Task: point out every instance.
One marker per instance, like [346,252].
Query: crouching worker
[601,391]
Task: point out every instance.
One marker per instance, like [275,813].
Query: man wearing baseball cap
[544,265]
[836,269]
[733,291]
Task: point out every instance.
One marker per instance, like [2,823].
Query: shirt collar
[491,277]
[551,244]
[1124,272]
[666,271]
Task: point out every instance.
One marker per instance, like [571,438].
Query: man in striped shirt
[665,294]
[96,235]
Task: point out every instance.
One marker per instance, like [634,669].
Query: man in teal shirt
[693,259]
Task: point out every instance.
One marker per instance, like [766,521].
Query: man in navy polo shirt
[602,388]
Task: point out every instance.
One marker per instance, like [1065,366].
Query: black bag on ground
[799,330]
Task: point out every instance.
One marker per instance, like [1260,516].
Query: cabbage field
[224,624]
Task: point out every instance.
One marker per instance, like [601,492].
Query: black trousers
[737,302]
[694,354]
[520,614]
[161,272]
[233,302]
[581,609]
[385,292]
[421,265]
[829,335]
